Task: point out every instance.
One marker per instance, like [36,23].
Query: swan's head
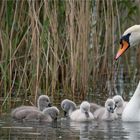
[53,112]
[43,102]
[110,105]
[130,38]
[68,106]
[118,101]
[85,108]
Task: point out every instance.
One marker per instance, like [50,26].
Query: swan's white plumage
[131,29]
[134,38]
[131,112]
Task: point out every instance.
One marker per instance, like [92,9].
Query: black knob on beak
[111,110]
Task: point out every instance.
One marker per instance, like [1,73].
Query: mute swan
[130,38]
[107,112]
[42,102]
[131,112]
[82,114]
[48,114]
[68,107]
[119,103]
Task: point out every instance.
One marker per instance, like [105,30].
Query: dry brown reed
[64,48]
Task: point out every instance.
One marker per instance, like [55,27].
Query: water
[68,130]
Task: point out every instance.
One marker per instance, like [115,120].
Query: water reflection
[84,128]
[68,130]
[133,130]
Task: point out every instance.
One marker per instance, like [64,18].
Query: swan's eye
[124,39]
[121,43]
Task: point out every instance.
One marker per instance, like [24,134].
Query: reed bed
[63,48]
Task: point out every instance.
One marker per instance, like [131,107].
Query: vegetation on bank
[64,48]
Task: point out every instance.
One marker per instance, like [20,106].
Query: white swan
[131,112]
[42,102]
[106,113]
[82,114]
[119,103]
[68,107]
[130,38]
[48,114]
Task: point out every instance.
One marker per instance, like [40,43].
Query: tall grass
[62,48]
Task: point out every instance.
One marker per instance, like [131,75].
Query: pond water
[68,130]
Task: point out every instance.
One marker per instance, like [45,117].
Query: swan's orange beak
[123,47]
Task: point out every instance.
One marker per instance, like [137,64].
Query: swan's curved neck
[137,91]
[134,101]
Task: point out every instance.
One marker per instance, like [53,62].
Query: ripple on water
[68,130]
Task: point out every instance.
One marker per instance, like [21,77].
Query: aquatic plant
[64,48]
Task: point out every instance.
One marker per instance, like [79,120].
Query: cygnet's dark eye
[111,108]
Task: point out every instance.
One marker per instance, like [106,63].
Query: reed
[63,48]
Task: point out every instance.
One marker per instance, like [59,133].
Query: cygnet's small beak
[65,114]
[49,104]
[111,110]
[87,114]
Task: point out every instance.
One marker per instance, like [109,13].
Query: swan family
[115,107]
[84,112]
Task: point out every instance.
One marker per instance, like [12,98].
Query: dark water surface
[68,130]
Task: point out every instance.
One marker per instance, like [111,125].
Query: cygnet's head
[53,112]
[110,105]
[68,106]
[118,101]
[85,108]
[43,102]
